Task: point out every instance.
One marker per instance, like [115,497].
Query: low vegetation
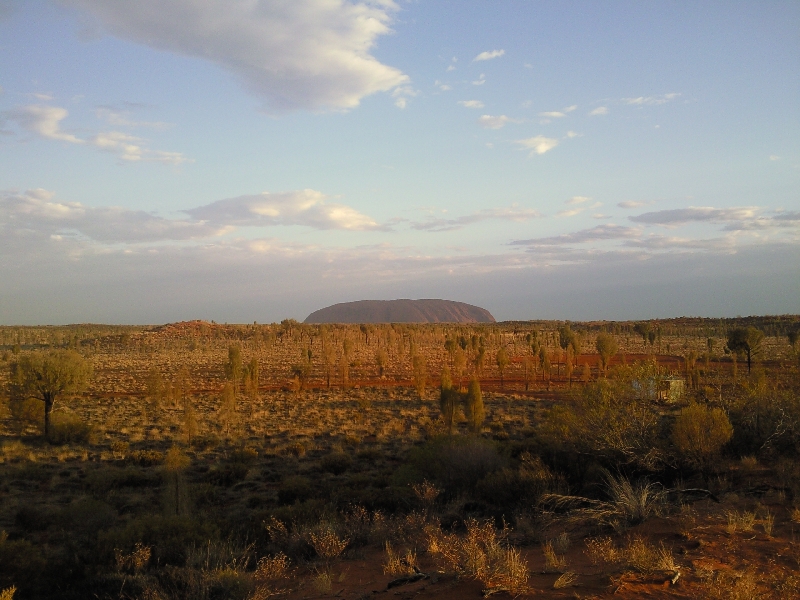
[541,459]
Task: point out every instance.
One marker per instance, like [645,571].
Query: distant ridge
[401,311]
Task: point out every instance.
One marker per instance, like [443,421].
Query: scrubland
[254,461]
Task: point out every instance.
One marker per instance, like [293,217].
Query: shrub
[226,475]
[455,464]
[700,432]
[336,463]
[294,489]
[169,537]
[20,562]
[68,429]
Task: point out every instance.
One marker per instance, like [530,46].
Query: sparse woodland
[527,459]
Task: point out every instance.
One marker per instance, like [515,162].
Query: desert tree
[176,490]
[154,385]
[448,398]
[251,383]
[381,359]
[419,371]
[502,361]
[48,377]
[699,433]
[473,406]
[459,364]
[794,337]
[233,368]
[606,347]
[227,409]
[329,360]
[746,340]
[527,365]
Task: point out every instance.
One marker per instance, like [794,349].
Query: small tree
[502,362]
[381,359]
[473,408]
[606,347]
[155,388]
[47,377]
[448,397]
[459,364]
[227,409]
[699,433]
[419,374]
[233,368]
[746,340]
[251,384]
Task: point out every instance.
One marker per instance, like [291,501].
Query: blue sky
[252,160]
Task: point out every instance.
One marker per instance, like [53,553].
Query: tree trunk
[48,407]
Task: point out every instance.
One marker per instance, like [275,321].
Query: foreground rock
[401,311]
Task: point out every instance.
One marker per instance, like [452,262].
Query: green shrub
[336,463]
[508,488]
[103,480]
[69,429]
[294,489]
[146,458]
[170,537]
[456,464]
[227,474]
[700,433]
[21,563]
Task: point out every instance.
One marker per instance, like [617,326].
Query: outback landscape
[441,460]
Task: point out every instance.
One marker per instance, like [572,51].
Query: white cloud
[122,119]
[471,103]
[595,234]
[489,55]
[578,200]
[569,109]
[302,54]
[491,122]
[512,213]
[651,100]
[450,68]
[554,114]
[37,213]
[569,212]
[538,144]
[600,110]
[774,157]
[680,216]
[632,204]
[304,207]
[480,80]
[45,121]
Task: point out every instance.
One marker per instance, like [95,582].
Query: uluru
[401,311]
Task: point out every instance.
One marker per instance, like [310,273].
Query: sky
[255,160]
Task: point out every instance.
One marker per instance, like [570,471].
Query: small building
[671,388]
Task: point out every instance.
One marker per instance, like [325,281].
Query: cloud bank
[301,54]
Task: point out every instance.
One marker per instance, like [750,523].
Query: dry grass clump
[135,561]
[8,593]
[399,564]
[743,521]
[327,543]
[638,554]
[481,554]
[602,550]
[733,585]
[552,560]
